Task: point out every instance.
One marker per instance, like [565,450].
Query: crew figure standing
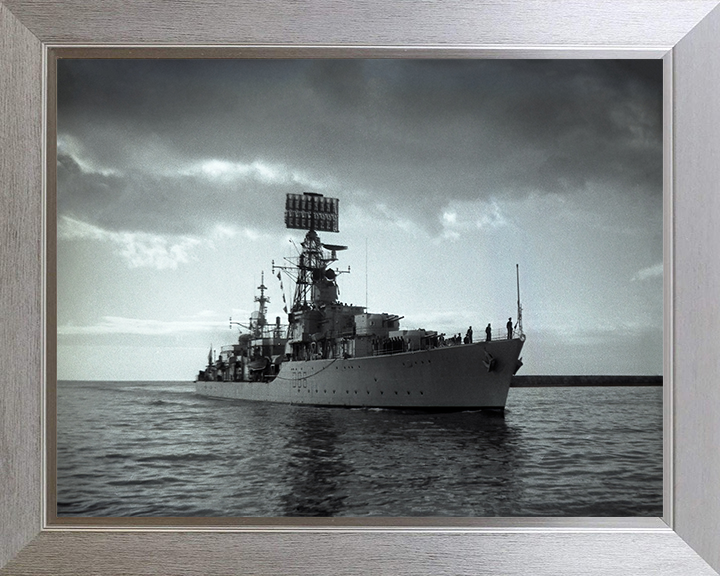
[488,333]
[509,328]
[468,336]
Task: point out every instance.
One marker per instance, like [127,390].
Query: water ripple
[156,449]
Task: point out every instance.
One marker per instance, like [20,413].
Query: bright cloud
[139,249]
[120,325]
[490,216]
[259,171]
[70,146]
[655,271]
[463,217]
[222,232]
[403,223]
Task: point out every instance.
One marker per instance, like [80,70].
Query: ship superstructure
[335,354]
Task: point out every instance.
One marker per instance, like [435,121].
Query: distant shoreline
[570,381]
[517,381]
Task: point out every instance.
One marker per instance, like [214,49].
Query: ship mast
[315,283]
[519,312]
[310,265]
[262,300]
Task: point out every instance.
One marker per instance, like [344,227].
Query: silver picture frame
[685,34]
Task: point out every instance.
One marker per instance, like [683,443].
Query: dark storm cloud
[411,134]
[178,204]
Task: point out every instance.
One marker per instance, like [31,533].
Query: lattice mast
[312,212]
[260,321]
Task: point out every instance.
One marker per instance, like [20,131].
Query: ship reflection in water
[316,470]
[157,449]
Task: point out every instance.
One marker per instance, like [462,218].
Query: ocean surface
[157,449]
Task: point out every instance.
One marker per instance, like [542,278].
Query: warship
[335,354]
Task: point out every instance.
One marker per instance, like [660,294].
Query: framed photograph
[683,540]
[337,180]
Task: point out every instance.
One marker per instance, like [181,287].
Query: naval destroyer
[333,354]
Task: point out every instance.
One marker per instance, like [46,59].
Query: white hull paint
[448,377]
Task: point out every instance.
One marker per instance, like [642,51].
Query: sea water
[158,449]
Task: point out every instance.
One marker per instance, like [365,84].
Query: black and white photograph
[359,288]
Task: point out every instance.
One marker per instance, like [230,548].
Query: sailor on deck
[488,333]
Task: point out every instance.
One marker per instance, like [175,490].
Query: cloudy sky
[172,178]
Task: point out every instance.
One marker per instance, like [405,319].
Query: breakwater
[557,381]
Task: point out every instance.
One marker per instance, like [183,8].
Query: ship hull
[468,376]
